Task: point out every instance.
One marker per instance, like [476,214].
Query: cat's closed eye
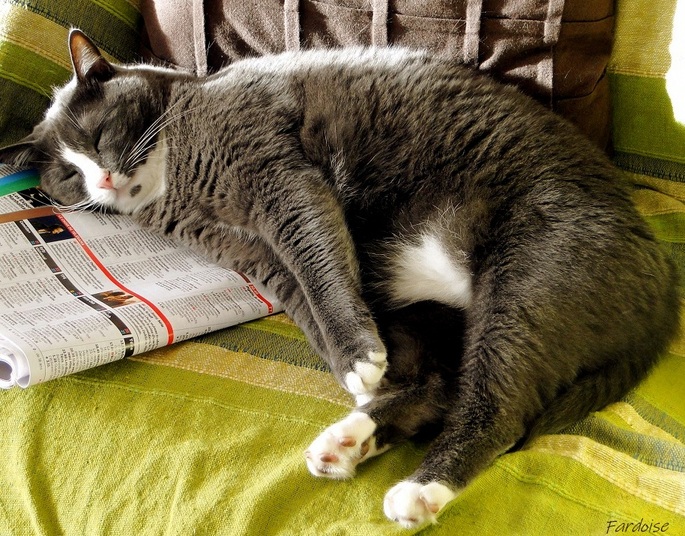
[97,140]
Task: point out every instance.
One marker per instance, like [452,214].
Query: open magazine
[78,290]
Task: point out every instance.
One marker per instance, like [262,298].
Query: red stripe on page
[108,275]
[269,306]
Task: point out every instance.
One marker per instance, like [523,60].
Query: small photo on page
[50,229]
[115,298]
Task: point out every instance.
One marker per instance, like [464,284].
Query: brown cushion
[555,50]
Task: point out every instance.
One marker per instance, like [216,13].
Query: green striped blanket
[207,436]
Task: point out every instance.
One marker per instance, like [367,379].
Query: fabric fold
[379,23]
[199,37]
[474,11]
[291,24]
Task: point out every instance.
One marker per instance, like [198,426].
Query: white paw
[378,357]
[412,504]
[341,446]
[362,400]
[367,375]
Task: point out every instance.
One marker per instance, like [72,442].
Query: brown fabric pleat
[291,24]
[169,31]
[474,9]
[555,50]
[199,41]
[379,23]
[552,28]
[555,11]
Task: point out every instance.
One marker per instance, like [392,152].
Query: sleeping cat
[399,205]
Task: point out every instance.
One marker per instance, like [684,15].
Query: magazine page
[78,290]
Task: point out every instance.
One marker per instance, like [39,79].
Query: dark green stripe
[646,449]
[26,81]
[17,120]
[29,68]
[266,345]
[669,227]
[111,33]
[272,325]
[656,417]
[654,167]
[123,10]
[25,67]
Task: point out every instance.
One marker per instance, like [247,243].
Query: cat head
[100,142]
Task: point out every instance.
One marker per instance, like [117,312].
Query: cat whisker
[122,156]
[142,146]
[153,130]
[150,132]
[73,119]
[131,167]
[86,205]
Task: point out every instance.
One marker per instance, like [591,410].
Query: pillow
[34,56]
[556,50]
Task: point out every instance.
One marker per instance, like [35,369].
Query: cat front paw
[412,504]
[341,446]
[366,375]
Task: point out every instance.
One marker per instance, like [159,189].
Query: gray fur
[312,171]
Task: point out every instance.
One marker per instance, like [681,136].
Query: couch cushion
[34,56]
[207,437]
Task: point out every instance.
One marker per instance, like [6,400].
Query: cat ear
[23,153]
[89,65]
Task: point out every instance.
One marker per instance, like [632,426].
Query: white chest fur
[425,271]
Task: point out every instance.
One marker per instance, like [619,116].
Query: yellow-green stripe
[643,122]
[123,10]
[113,24]
[30,70]
[643,32]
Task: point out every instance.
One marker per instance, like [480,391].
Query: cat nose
[105,181]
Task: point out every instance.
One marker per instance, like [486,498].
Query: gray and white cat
[391,200]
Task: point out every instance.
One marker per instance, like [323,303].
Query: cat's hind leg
[412,503]
[337,451]
[396,414]
[508,374]
[411,397]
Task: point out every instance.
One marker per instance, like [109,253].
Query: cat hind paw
[366,376]
[412,504]
[341,446]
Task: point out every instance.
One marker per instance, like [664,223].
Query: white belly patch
[424,271]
